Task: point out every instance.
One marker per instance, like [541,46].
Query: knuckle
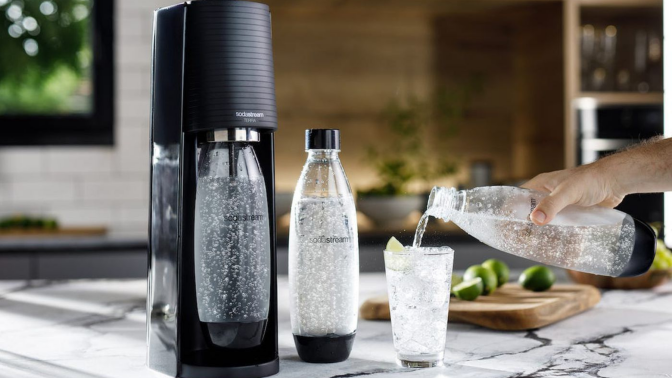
[548,203]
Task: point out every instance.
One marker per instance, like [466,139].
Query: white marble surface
[96,329]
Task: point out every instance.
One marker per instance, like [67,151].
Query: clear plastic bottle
[232,245]
[323,254]
[588,239]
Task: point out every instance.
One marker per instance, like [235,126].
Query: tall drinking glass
[418,284]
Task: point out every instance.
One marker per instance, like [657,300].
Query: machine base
[253,371]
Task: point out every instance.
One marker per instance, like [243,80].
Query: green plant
[418,130]
[46,54]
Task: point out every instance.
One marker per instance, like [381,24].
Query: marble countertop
[96,329]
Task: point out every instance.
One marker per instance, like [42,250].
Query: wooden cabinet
[338,64]
[578,13]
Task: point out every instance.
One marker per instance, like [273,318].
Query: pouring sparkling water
[589,239]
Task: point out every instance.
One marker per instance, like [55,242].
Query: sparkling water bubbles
[418,282]
[231,237]
[589,239]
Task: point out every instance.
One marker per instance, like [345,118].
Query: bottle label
[533,205]
[528,229]
[329,239]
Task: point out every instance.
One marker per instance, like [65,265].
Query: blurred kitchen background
[426,92]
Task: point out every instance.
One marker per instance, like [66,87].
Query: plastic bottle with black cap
[323,254]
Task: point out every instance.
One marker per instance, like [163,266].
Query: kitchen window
[56,72]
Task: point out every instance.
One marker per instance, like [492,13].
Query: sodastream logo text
[250,114]
[329,239]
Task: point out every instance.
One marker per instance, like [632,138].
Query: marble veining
[96,329]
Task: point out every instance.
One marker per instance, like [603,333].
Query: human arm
[645,168]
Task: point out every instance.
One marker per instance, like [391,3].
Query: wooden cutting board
[510,308]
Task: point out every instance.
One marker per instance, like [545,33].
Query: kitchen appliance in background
[603,130]
[212,306]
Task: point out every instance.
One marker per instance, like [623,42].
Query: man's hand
[645,168]
[587,185]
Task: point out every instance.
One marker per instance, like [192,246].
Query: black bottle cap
[323,139]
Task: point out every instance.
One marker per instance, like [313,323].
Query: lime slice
[537,278]
[394,245]
[500,268]
[469,290]
[394,261]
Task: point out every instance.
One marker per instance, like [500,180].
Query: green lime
[660,261]
[537,278]
[500,268]
[487,275]
[663,258]
[667,256]
[660,245]
[394,245]
[665,252]
[469,290]
[455,280]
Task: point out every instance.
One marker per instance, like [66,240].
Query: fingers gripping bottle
[323,254]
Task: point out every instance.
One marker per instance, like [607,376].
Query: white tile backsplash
[96,186]
[133,149]
[5,196]
[134,81]
[97,160]
[132,217]
[20,161]
[134,55]
[116,189]
[141,6]
[130,27]
[82,215]
[43,191]
[134,106]
[137,213]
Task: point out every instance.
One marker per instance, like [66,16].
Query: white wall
[92,186]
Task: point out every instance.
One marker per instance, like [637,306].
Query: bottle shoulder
[323,177]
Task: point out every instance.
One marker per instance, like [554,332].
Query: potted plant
[414,154]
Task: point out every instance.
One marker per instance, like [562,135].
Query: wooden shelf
[622,98]
[59,232]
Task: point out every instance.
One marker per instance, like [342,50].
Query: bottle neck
[322,154]
[443,201]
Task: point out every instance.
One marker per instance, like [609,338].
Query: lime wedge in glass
[394,245]
[394,259]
